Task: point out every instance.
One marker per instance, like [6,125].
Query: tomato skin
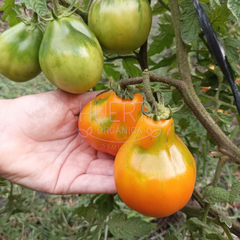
[70,55]
[154,172]
[107,121]
[19,47]
[121,26]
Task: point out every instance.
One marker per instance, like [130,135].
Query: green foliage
[9,12]
[111,71]
[158,9]
[195,224]
[38,6]
[213,194]
[163,40]
[130,66]
[103,212]
[234,7]
[190,27]
[235,191]
[219,17]
[126,228]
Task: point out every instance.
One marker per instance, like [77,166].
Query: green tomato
[121,26]
[19,47]
[70,55]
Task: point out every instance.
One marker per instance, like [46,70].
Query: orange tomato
[154,171]
[107,121]
[221,111]
[205,89]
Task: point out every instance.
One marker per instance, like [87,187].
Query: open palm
[41,149]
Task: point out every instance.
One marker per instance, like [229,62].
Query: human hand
[41,149]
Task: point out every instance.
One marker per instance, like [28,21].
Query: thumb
[76,102]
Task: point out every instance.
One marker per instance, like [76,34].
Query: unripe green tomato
[19,47]
[121,26]
[70,55]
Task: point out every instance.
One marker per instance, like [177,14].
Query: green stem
[222,161]
[89,5]
[11,190]
[164,4]
[180,230]
[89,228]
[226,230]
[56,7]
[217,100]
[148,91]
[34,17]
[204,217]
[82,14]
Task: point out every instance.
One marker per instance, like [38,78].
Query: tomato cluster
[69,53]
[154,171]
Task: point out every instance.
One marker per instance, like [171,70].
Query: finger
[76,102]
[93,184]
[101,167]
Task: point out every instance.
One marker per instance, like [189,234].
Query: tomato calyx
[124,92]
[58,13]
[156,112]
[33,21]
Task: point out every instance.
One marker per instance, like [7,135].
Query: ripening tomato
[19,47]
[154,171]
[107,121]
[205,89]
[121,26]
[70,55]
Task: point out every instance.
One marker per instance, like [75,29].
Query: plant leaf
[9,13]
[190,27]
[234,7]
[219,17]
[131,69]
[38,6]
[123,228]
[86,212]
[109,69]
[163,40]
[235,191]
[226,221]
[213,194]
[169,61]
[195,223]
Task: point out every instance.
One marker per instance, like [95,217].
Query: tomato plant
[19,48]
[154,171]
[179,63]
[70,55]
[107,121]
[121,26]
